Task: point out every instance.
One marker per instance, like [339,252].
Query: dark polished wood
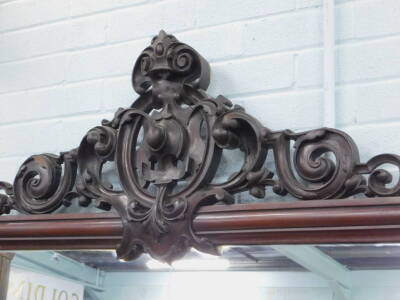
[300,222]
[60,231]
[312,222]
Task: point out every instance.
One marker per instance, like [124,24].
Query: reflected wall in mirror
[280,272]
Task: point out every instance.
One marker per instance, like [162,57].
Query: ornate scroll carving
[167,147]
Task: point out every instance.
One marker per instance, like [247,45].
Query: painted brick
[285,110]
[210,12]
[283,32]
[308,3]
[309,71]
[33,104]
[367,103]
[344,21]
[50,136]
[84,97]
[118,92]
[20,14]
[106,61]
[261,74]
[221,42]
[376,17]
[146,20]
[51,102]
[77,127]
[88,31]
[345,106]
[377,59]
[92,6]
[37,41]
[353,63]
[374,139]
[9,167]
[30,138]
[33,73]
[57,37]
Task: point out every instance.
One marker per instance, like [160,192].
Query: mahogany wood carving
[167,147]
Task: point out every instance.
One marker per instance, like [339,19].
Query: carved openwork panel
[167,147]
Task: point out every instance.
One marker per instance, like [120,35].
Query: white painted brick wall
[66,64]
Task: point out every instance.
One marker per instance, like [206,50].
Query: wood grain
[300,222]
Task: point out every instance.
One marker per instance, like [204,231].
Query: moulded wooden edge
[301,222]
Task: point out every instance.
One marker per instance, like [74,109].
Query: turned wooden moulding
[167,147]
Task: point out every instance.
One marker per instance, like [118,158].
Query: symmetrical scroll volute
[167,147]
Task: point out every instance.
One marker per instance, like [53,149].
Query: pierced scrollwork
[236,129]
[167,147]
[96,148]
[6,199]
[379,179]
[39,186]
[321,176]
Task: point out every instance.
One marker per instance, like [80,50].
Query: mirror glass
[298,272]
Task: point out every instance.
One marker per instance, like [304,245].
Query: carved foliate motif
[167,147]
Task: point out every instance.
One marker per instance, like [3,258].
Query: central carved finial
[168,59]
[163,41]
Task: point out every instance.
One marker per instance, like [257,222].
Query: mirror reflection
[298,272]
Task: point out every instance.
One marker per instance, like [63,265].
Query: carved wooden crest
[167,147]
